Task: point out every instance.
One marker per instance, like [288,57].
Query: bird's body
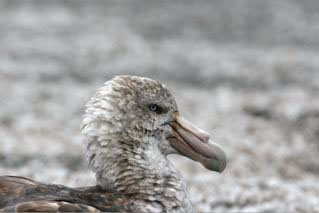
[130,126]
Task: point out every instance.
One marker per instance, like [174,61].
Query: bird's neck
[143,172]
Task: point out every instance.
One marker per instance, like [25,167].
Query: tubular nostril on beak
[201,134]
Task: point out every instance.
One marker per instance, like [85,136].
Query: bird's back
[23,195]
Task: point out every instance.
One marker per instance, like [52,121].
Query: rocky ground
[246,71]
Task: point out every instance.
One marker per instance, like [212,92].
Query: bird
[130,126]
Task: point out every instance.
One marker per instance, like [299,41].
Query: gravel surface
[246,71]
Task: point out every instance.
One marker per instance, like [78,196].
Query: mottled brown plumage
[23,194]
[131,124]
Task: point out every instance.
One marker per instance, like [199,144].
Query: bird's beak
[194,143]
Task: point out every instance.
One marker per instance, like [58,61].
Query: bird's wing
[23,194]
[49,206]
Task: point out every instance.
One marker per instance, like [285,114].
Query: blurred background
[246,71]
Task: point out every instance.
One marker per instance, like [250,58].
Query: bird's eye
[154,107]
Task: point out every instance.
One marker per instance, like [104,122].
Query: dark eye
[154,107]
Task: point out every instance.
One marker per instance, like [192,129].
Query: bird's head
[142,110]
